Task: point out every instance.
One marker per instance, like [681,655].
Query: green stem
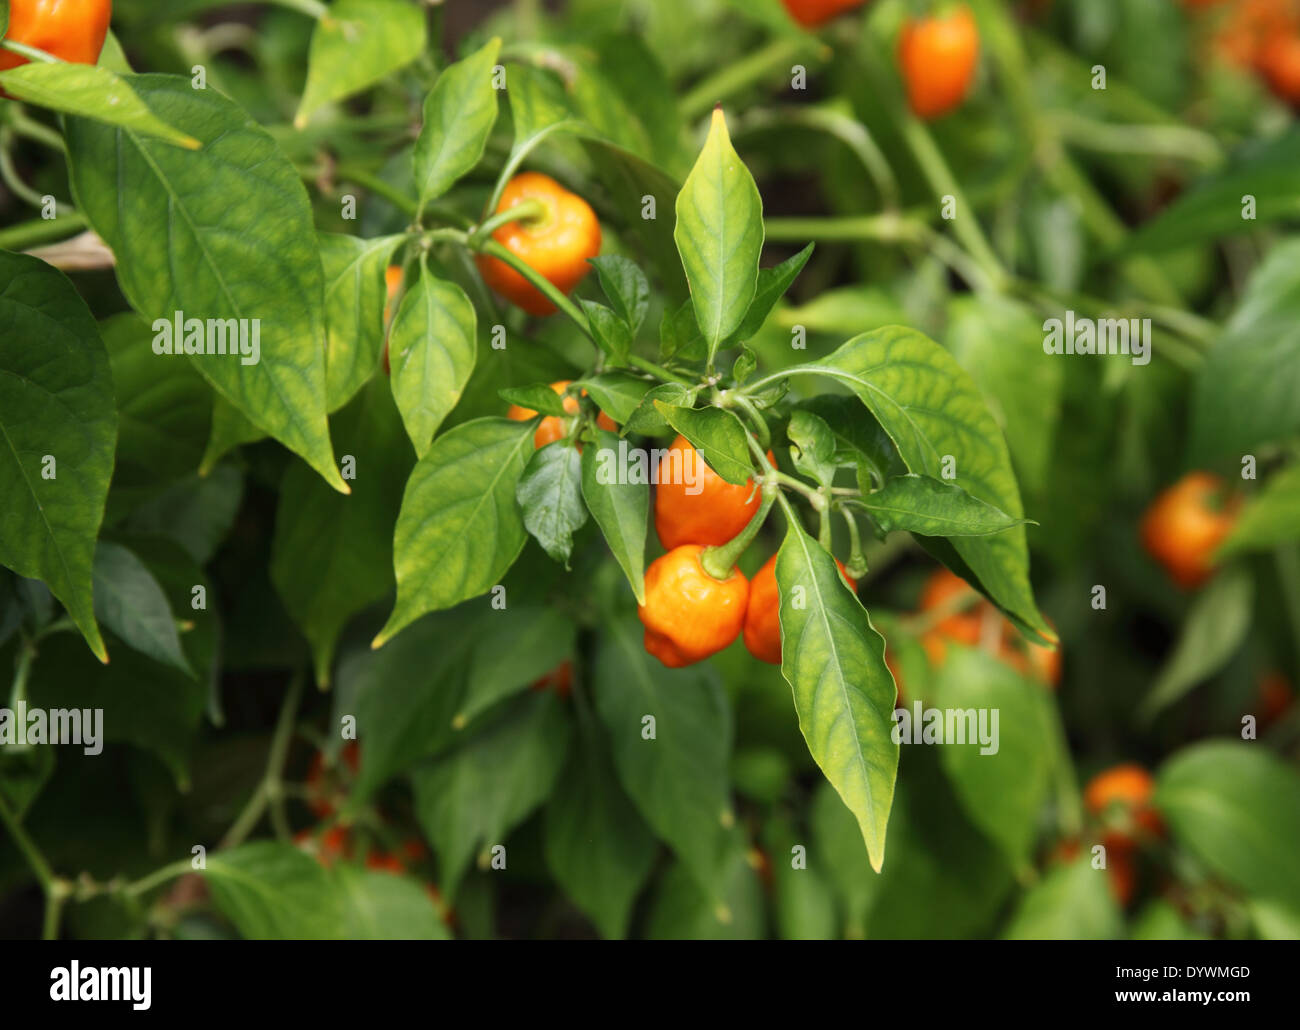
[54,901]
[29,52]
[527,211]
[720,559]
[35,860]
[268,791]
[857,563]
[31,129]
[366,180]
[158,877]
[658,371]
[797,485]
[40,230]
[740,75]
[22,670]
[494,249]
[10,174]
[882,228]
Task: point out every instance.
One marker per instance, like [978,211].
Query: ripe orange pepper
[714,513]
[763,614]
[937,57]
[688,615]
[1279,63]
[811,13]
[1126,787]
[1183,527]
[72,30]
[557,244]
[552,427]
[393,283]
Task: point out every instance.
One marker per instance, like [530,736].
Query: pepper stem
[718,560]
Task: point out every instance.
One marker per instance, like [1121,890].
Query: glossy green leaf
[646,418]
[89,91]
[611,333]
[1001,773]
[680,338]
[771,286]
[459,529]
[1072,903]
[621,509]
[617,394]
[1234,805]
[813,451]
[1246,387]
[718,435]
[678,777]
[176,256]
[931,409]
[432,348]
[919,504]
[164,409]
[195,512]
[274,891]
[597,846]
[626,287]
[1270,518]
[513,648]
[1214,208]
[1214,629]
[469,799]
[332,556]
[682,910]
[859,438]
[355,297]
[129,601]
[381,906]
[459,113]
[538,398]
[56,405]
[550,496]
[719,235]
[356,44]
[843,693]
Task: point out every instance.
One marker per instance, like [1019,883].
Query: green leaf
[718,435]
[539,108]
[129,601]
[56,402]
[355,297]
[617,394]
[1162,921]
[843,693]
[513,648]
[23,774]
[163,410]
[550,496]
[771,287]
[273,891]
[680,338]
[459,113]
[719,235]
[196,512]
[356,44]
[1234,805]
[538,397]
[459,529]
[611,333]
[1264,170]
[804,901]
[1214,629]
[1000,343]
[1072,903]
[432,348]
[646,419]
[919,504]
[678,777]
[405,697]
[681,910]
[1246,387]
[89,91]
[332,556]
[1003,791]
[859,438]
[1270,518]
[621,509]
[931,409]
[381,906]
[626,287]
[597,847]
[469,799]
[814,449]
[175,255]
